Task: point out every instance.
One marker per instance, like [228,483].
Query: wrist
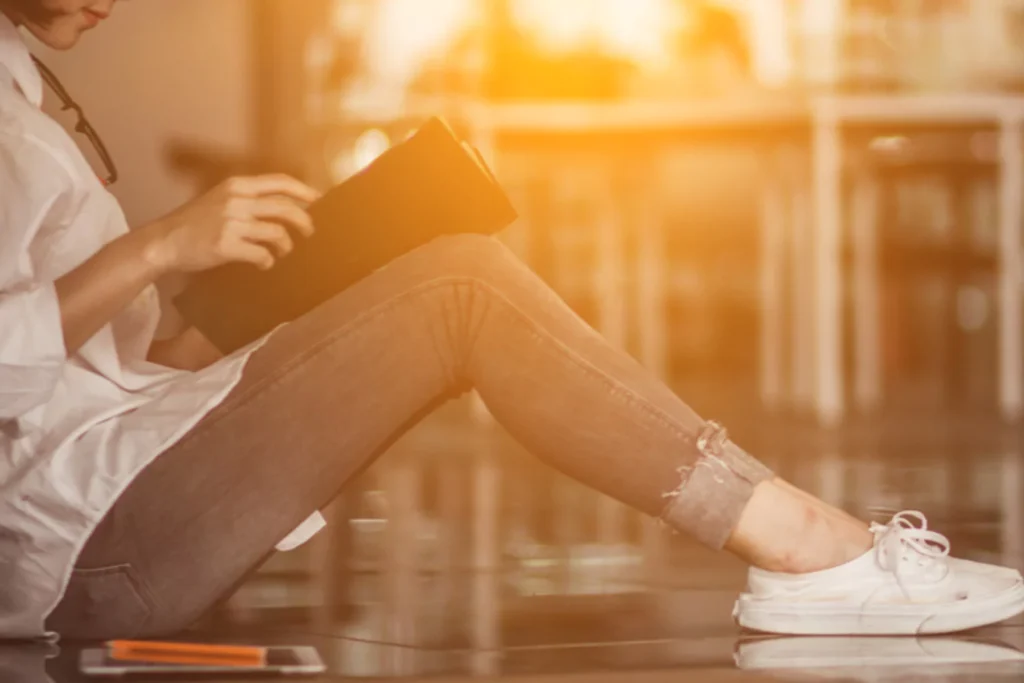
[153,250]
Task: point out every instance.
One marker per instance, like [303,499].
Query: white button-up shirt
[74,430]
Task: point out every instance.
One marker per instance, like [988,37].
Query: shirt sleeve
[34,191]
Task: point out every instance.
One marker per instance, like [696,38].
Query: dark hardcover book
[426,187]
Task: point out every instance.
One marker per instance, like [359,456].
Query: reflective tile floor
[512,572]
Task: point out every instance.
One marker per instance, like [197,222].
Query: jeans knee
[471,252]
[477,260]
[480,258]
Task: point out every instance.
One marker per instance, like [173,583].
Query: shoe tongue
[893,546]
[890,549]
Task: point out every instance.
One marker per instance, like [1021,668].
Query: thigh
[316,404]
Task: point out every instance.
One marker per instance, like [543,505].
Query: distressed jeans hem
[712,494]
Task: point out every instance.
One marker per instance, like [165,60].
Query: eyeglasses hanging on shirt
[82,125]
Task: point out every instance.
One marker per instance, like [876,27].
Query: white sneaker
[905,585]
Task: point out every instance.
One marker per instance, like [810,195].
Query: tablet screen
[278,660]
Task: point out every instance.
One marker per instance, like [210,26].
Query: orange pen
[187,653]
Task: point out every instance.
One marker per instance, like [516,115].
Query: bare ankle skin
[784,529]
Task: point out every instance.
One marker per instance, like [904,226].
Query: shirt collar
[15,57]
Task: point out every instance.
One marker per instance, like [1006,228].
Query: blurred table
[775,129]
[831,116]
[803,210]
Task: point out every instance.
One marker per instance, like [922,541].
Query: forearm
[242,220]
[92,294]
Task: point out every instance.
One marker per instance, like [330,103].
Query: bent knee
[470,248]
[470,255]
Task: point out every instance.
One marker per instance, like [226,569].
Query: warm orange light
[631,28]
[405,33]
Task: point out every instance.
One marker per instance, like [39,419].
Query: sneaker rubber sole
[815,618]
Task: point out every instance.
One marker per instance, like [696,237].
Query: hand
[243,220]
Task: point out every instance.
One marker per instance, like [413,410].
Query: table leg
[1011,219]
[827,184]
[867,329]
[802,298]
[773,259]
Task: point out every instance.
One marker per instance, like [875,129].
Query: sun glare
[405,32]
[631,28]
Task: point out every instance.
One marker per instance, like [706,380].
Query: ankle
[826,543]
[796,534]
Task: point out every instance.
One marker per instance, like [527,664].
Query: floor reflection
[461,556]
[920,655]
[26,663]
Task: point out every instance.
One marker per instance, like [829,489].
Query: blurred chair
[945,243]
[836,121]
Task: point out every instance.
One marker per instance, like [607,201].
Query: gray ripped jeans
[330,392]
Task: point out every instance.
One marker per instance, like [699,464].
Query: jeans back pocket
[101,604]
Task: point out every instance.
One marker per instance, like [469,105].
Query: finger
[273,184]
[270,234]
[251,252]
[284,211]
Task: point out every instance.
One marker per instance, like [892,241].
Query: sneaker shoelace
[901,535]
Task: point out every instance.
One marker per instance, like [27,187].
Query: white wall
[160,70]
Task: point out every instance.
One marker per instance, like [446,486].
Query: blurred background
[805,215]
